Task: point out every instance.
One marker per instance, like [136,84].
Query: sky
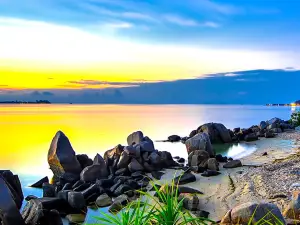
[58,48]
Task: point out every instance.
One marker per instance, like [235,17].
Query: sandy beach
[262,178]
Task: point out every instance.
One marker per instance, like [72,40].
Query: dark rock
[210,173]
[157,174]
[197,169]
[122,171]
[265,153]
[133,151]
[233,164]
[147,145]
[48,190]
[124,160]
[176,157]
[122,189]
[103,201]
[61,156]
[166,159]
[193,133]
[251,137]
[96,171]
[269,134]
[217,132]
[113,153]
[118,203]
[63,195]
[92,198]
[200,141]
[149,168]
[9,212]
[231,133]
[174,138]
[145,156]
[185,179]
[212,164]
[134,166]
[198,158]
[155,159]
[84,160]
[67,187]
[76,218]
[236,130]
[201,213]
[263,125]
[122,179]
[69,178]
[40,211]
[94,188]
[135,138]
[184,189]
[76,200]
[115,186]
[220,158]
[132,183]
[276,130]
[143,183]
[230,159]
[39,184]
[29,197]
[260,133]
[190,202]
[81,187]
[105,183]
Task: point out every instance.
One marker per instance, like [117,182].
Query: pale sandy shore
[262,178]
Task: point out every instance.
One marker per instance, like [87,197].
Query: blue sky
[261,24]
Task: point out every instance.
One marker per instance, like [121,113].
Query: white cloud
[34,40]
[231,74]
[178,20]
[119,25]
[211,24]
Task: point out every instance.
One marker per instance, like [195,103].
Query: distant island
[296,103]
[26,102]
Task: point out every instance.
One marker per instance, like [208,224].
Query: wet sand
[262,178]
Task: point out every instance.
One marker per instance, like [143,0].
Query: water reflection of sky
[238,151]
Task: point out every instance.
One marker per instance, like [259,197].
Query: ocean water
[27,130]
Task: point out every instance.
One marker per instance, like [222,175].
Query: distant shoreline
[25,102]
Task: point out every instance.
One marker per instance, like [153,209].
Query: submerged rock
[61,156]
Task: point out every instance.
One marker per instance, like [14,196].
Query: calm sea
[27,130]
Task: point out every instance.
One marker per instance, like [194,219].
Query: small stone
[76,218]
[103,201]
[264,154]
[233,164]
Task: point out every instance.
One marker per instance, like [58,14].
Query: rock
[135,138]
[76,218]
[197,169]
[124,160]
[217,132]
[184,189]
[105,183]
[103,201]
[276,130]
[236,130]
[166,159]
[93,189]
[61,156]
[198,158]
[84,160]
[233,164]
[155,160]
[67,187]
[132,183]
[174,138]
[48,190]
[29,197]
[263,125]
[149,168]
[39,184]
[134,166]
[210,173]
[251,137]
[96,171]
[251,213]
[176,157]
[122,171]
[269,134]
[43,211]
[9,212]
[122,189]
[76,200]
[193,133]
[113,153]
[181,160]
[201,213]
[200,141]
[13,183]
[260,133]
[212,164]
[274,120]
[81,187]
[190,202]
[264,154]
[63,195]
[220,158]
[157,174]
[185,179]
[118,203]
[78,184]
[68,178]
[147,145]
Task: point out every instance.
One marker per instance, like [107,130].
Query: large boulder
[217,132]
[155,160]
[166,159]
[251,137]
[147,145]
[263,125]
[135,138]
[112,153]
[198,158]
[200,141]
[124,160]
[61,156]
[9,212]
[251,213]
[96,171]
[134,166]
[13,183]
[84,160]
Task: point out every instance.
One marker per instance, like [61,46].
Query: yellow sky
[31,52]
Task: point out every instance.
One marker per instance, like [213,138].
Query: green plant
[295,118]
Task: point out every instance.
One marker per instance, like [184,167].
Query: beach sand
[262,178]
